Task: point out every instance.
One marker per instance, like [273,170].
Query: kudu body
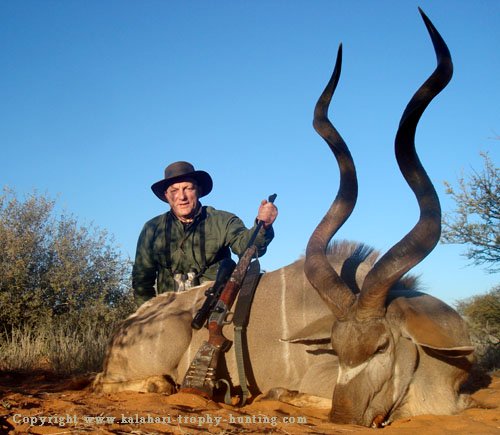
[289,329]
[340,323]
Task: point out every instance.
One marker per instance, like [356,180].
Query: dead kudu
[340,323]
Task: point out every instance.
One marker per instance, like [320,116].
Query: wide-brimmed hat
[178,171]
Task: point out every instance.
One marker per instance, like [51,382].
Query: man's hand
[267,213]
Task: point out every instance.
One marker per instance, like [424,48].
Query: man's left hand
[267,213]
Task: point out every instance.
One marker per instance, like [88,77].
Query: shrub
[63,286]
[52,268]
[482,314]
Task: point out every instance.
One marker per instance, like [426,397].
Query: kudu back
[340,323]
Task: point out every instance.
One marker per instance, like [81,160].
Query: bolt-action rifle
[200,377]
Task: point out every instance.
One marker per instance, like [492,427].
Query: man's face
[183,199]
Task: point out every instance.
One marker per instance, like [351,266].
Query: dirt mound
[43,404]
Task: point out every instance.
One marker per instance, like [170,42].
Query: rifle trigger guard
[228,319]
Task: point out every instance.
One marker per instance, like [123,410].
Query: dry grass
[21,350]
[59,349]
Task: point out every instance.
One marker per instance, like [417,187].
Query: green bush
[63,286]
[482,314]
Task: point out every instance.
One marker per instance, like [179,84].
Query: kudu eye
[382,347]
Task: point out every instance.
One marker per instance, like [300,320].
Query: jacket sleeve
[144,270]
[239,236]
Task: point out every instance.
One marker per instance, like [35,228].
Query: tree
[475,222]
[54,270]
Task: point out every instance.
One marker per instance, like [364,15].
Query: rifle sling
[240,320]
[245,295]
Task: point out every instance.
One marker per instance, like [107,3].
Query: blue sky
[97,97]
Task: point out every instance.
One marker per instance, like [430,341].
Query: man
[184,246]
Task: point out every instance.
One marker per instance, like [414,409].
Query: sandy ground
[41,404]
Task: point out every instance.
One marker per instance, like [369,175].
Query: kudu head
[375,366]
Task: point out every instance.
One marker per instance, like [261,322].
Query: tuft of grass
[77,351]
[21,350]
[60,349]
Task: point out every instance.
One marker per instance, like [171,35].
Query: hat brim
[202,178]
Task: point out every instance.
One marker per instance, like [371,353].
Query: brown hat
[177,172]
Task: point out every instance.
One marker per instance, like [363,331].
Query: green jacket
[198,246]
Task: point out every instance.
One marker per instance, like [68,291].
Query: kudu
[399,352]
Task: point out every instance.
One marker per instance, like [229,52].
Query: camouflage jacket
[167,247]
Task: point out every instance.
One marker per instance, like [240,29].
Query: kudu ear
[431,329]
[318,331]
